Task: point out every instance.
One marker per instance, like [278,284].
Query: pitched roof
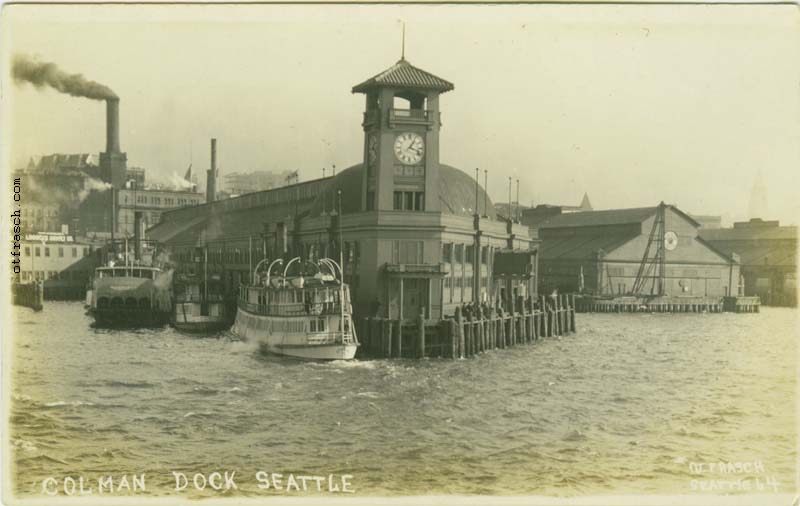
[597,218]
[749,233]
[403,74]
[582,247]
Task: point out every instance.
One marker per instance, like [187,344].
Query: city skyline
[630,104]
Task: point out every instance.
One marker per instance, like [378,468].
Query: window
[370,201]
[74,252]
[408,201]
[60,252]
[470,253]
[459,253]
[447,252]
[398,201]
[484,255]
[46,251]
[419,201]
[27,251]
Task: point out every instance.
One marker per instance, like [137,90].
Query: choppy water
[624,406]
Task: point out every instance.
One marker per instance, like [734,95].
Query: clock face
[372,148]
[670,240]
[409,148]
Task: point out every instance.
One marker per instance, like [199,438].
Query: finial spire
[403,49]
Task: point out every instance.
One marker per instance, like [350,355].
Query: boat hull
[207,326]
[188,318]
[249,327]
[129,317]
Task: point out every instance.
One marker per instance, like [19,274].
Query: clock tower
[401,139]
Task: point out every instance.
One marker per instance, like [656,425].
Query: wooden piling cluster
[29,295]
[590,304]
[467,333]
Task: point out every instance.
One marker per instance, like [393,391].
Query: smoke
[91,184]
[27,69]
[179,183]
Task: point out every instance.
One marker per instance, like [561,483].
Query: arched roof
[456,193]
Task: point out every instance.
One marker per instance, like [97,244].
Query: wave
[60,404]
[126,384]
[575,435]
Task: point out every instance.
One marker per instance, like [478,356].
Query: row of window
[39,212]
[37,251]
[77,275]
[463,253]
[409,201]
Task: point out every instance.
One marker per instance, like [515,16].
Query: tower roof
[403,74]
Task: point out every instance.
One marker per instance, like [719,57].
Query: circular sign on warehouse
[670,240]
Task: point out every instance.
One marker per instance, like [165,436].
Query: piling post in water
[453,338]
[512,337]
[572,314]
[399,339]
[460,332]
[421,334]
[388,330]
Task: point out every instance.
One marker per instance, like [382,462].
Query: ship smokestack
[211,179]
[112,125]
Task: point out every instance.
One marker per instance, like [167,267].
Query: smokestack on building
[211,179]
[112,125]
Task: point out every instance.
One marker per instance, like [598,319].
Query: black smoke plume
[39,74]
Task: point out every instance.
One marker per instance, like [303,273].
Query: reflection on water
[624,406]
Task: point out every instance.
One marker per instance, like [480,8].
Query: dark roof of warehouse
[583,247]
[607,217]
[403,74]
[456,193]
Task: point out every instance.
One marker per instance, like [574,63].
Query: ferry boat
[298,316]
[200,305]
[130,295]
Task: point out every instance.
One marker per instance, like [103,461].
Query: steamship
[130,296]
[200,304]
[308,317]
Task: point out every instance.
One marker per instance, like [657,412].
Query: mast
[341,263]
[205,273]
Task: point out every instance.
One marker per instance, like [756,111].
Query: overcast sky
[631,104]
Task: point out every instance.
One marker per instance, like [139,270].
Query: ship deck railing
[181,298]
[330,338]
[292,309]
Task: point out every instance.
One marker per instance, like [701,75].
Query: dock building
[418,236]
[768,253]
[603,253]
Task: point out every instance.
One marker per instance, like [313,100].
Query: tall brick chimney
[211,177]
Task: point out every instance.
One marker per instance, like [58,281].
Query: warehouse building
[417,235]
[768,253]
[604,253]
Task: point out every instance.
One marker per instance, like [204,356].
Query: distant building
[759,202]
[240,183]
[768,255]
[149,204]
[64,265]
[71,190]
[534,216]
[604,251]
[707,221]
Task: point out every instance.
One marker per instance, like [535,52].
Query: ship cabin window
[317,325]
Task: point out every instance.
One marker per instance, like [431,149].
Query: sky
[631,104]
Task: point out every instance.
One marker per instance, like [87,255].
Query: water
[624,406]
